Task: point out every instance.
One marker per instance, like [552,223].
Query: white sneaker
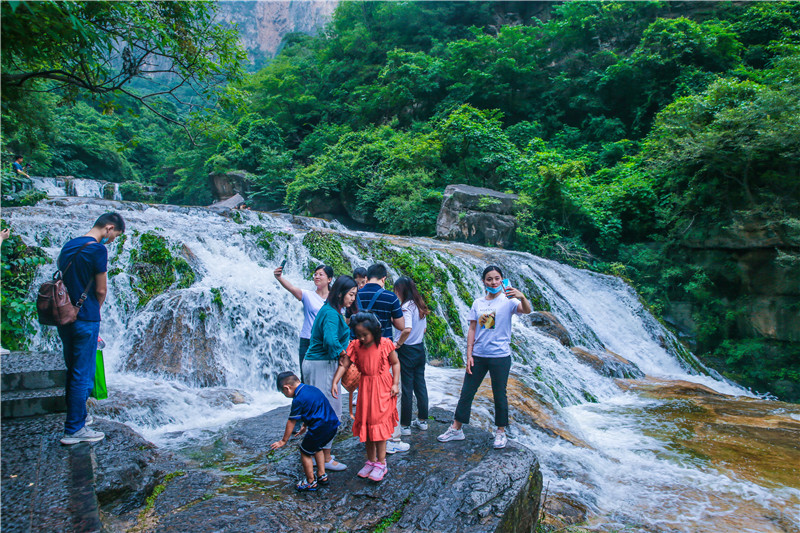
[399,446]
[420,424]
[335,466]
[500,439]
[451,434]
[89,420]
[82,435]
[405,430]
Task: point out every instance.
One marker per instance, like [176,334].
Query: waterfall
[184,361]
[70,186]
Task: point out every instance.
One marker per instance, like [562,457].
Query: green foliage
[155,269]
[105,48]
[216,297]
[132,191]
[266,239]
[18,266]
[326,248]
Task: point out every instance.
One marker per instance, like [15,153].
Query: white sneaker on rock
[451,434]
[420,424]
[82,435]
[405,430]
[89,420]
[398,446]
[335,466]
[500,439]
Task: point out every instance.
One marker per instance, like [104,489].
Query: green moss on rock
[155,268]
[327,248]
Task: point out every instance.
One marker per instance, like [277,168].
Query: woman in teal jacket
[330,336]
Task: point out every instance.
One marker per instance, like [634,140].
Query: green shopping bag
[99,391]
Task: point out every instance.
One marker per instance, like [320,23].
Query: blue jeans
[80,355]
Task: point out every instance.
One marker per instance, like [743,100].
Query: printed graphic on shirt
[487,319]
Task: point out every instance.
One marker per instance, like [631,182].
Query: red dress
[376,409]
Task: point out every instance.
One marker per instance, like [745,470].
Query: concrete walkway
[46,486]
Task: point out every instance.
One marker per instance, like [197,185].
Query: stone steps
[21,403]
[32,384]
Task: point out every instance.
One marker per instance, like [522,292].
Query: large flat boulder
[478,216]
[235,484]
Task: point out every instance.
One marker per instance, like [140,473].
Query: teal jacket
[330,335]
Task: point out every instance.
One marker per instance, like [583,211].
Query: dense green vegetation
[635,134]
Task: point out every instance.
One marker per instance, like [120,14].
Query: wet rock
[459,486]
[127,468]
[549,325]
[224,397]
[608,363]
[176,341]
[224,185]
[529,409]
[477,216]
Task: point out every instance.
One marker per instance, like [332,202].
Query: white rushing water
[80,187]
[236,326]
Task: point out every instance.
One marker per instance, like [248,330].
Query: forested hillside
[653,140]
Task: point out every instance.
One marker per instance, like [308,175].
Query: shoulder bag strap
[374,299]
[59,273]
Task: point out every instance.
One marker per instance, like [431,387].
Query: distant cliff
[262,25]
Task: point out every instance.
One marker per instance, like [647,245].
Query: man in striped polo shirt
[373,298]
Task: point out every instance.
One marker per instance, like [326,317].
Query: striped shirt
[386,306]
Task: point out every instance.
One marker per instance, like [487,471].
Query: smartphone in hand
[283,263]
[506,284]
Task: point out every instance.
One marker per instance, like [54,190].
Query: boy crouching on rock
[311,407]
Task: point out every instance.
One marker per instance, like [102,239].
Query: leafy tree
[172,49]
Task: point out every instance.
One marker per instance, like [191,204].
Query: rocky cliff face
[262,25]
[757,263]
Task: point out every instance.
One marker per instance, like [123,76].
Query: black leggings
[498,368]
[412,380]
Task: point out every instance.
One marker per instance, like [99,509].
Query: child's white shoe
[422,425]
[405,430]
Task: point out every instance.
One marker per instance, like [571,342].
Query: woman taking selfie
[489,350]
[312,302]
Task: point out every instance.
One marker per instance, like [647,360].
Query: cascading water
[69,186]
[193,358]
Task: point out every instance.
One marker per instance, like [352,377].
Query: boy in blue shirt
[311,407]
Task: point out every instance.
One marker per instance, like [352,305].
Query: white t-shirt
[493,334]
[312,302]
[411,318]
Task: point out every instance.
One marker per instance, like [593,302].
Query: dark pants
[304,344]
[80,356]
[412,379]
[498,368]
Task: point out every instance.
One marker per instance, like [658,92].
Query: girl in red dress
[376,410]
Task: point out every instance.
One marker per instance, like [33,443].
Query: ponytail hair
[406,289]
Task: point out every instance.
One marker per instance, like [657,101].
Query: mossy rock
[156,269]
[327,248]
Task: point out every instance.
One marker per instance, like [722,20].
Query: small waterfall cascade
[195,342]
[70,186]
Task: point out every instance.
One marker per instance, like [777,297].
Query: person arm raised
[296,292]
[524,306]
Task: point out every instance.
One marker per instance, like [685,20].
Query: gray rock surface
[477,216]
[232,483]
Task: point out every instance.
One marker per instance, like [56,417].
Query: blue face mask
[494,290]
[104,240]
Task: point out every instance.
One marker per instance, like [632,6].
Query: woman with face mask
[489,350]
[312,302]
